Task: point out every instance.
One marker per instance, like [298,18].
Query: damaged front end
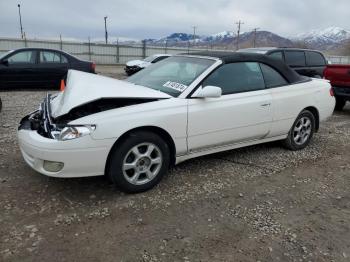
[58,128]
[41,121]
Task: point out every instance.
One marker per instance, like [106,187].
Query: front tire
[301,132]
[139,162]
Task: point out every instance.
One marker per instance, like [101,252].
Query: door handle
[265,105]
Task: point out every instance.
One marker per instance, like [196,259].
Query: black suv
[304,61]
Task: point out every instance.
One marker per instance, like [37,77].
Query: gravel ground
[261,203]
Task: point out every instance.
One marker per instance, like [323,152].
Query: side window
[236,78]
[52,57]
[22,57]
[315,59]
[295,58]
[64,59]
[272,77]
[278,55]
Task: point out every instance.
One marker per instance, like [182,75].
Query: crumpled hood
[139,63]
[84,87]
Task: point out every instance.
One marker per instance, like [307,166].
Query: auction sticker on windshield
[176,86]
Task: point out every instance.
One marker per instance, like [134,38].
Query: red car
[339,75]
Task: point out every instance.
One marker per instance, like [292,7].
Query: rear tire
[139,162]
[301,132]
[339,104]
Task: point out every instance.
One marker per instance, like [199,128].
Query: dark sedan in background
[38,68]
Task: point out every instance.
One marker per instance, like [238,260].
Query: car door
[284,99]
[242,113]
[53,66]
[17,69]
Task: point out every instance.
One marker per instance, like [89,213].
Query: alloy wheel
[302,130]
[142,163]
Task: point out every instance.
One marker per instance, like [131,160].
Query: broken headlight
[73,132]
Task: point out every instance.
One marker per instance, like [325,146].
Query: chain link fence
[339,59]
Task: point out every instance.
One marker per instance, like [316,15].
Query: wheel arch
[316,114]
[154,129]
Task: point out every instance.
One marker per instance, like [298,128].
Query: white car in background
[183,107]
[134,66]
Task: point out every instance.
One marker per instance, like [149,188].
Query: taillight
[331,91]
[93,67]
[62,85]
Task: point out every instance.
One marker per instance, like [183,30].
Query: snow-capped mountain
[263,38]
[184,37]
[223,39]
[223,35]
[324,38]
[331,38]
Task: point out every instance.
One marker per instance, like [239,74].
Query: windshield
[149,59]
[172,75]
[5,54]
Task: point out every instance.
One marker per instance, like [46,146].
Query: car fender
[167,114]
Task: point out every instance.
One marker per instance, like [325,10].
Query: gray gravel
[261,203]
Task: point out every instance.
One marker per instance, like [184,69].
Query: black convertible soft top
[232,57]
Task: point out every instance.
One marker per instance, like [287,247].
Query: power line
[239,23]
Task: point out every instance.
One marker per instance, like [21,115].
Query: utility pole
[106,34]
[20,20]
[254,30]
[61,42]
[166,46]
[194,34]
[239,23]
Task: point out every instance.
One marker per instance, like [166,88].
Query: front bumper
[342,92]
[81,157]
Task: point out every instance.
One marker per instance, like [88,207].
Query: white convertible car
[180,108]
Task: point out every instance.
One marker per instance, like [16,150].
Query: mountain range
[335,40]
[325,39]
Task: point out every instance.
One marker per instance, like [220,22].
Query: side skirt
[213,150]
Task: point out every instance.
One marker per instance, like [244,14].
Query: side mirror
[208,92]
[5,62]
